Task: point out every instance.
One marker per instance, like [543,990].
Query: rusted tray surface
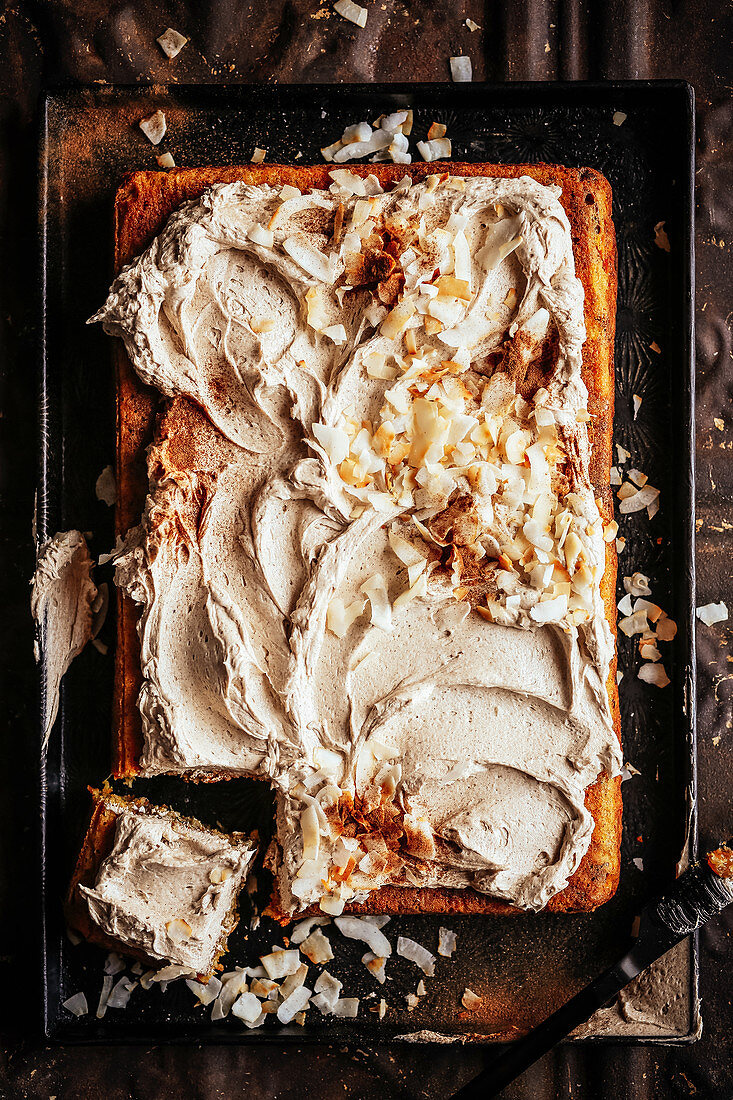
[524,966]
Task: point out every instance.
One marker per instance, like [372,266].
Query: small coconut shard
[165,160]
[258,156]
[171,42]
[105,487]
[77,1005]
[62,598]
[470,1000]
[353,12]
[661,239]
[461,70]
[712,613]
[154,127]
[619,118]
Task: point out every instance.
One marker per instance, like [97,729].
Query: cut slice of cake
[157,886]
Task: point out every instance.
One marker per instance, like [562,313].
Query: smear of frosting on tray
[62,603]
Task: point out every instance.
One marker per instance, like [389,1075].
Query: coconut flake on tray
[711,613]
[77,1005]
[415,952]
[358,928]
[385,140]
[347,9]
[461,70]
[154,127]
[171,42]
[447,941]
[470,1000]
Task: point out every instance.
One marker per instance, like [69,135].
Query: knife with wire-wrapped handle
[698,895]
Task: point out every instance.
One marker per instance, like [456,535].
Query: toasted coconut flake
[375,965]
[293,1004]
[121,993]
[637,501]
[382,1009]
[165,160]
[328,990]
[625,605]
[418,588]
[316,308]
[303,929]
[154,127]
[356,928]
[311,259]
[619,118]
[317,948]
[472,26]
[471,1000]
[331,904]
[461,69]
[281,963]
[415,952]
[171,42]
[637,584]
[348,181]
[654,674]
[359,131]
[406,551]
[77,1005]
[113,964]
[649,651]
[375,588]
[637,404]
[347,9]
[247,1008]
[666,629]
[447,941]
[379,139]
[258,156]
[634,624]
[639,479]
[261,236]
[311,833]
[293,982]
[437,130]
[620,545]
[329,150]
[340,617]
[206,992]
[346,1007]
[610,531]
[550,610]
[178,930]
[334,441]
[711,613]
[104,996]
[437,149]
[396,321]
[661,239]
[336,333]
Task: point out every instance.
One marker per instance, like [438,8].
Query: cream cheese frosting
[377,584]
[168,888]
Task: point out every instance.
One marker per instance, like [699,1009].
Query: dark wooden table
[83,41]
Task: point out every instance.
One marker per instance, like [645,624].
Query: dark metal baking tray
[523,966]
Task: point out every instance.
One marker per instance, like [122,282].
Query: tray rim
[524,92]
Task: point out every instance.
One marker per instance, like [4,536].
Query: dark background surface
[302,40]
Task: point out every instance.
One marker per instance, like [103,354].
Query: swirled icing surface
[168,888]
[369,569]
